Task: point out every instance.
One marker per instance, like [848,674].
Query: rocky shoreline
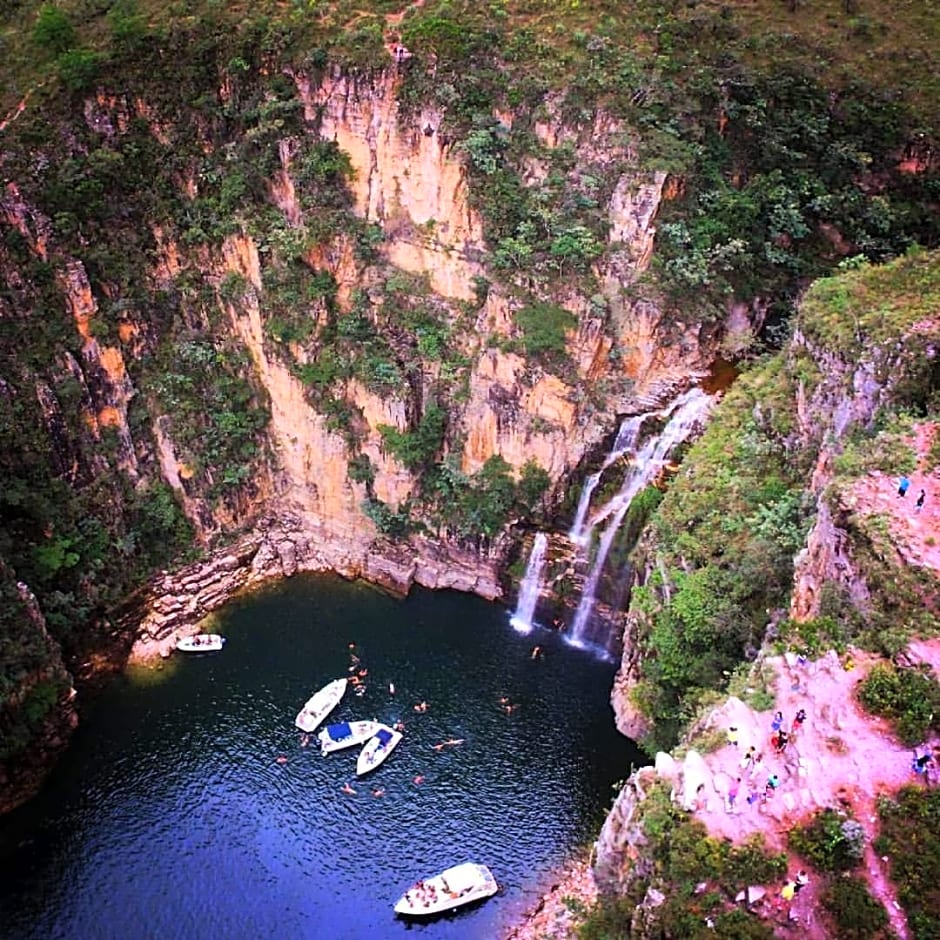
[552,916]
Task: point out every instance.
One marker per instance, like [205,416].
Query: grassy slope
[738,512]
[889,43]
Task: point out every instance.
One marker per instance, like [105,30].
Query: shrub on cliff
[831,841]
[910,838]
[857,914]
[53,30]
[684,857]
[909,698]
[545,328]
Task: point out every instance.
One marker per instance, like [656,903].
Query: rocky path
[841,758]
[915,533]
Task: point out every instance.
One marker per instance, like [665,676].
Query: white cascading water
[529,589]
[626,441]
[683,415]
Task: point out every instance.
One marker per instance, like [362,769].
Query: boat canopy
[464,877]
[339,731]
[384,736]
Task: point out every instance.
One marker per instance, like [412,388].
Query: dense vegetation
[146,124]
[909,697]
[831,841]
[857,915]
[725,536]
[684,860]
[910,837]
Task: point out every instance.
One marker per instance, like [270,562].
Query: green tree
[416,449]
[576,246]
[910,698]
[533,484]
[78,68]
[53,30]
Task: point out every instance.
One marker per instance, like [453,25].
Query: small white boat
[346,734]
[452,888]
[320,704]
[201,643]
[376,749]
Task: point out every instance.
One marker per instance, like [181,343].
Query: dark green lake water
[171,817]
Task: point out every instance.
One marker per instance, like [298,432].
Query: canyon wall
[300,507]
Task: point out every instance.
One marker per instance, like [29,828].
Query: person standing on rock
[757,764]
[733,736]
[701,802]
[773,781]
[921,763]
[798,720]
[903,485]
[733,794]
[920,501]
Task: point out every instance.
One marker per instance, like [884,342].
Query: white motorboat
[320,704]
[201,643]
[452,888]
[346,734]
[376,749]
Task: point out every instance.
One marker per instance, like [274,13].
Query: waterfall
[683,414]
[529,589]
[626,441]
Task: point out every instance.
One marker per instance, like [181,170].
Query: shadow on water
[172,815]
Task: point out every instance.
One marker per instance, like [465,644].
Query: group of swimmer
[357,680]
[507,706]
[377,791]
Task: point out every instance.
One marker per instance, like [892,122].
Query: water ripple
[173,815]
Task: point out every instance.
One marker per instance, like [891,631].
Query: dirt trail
[840,758]
[916,533]
[13,115]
